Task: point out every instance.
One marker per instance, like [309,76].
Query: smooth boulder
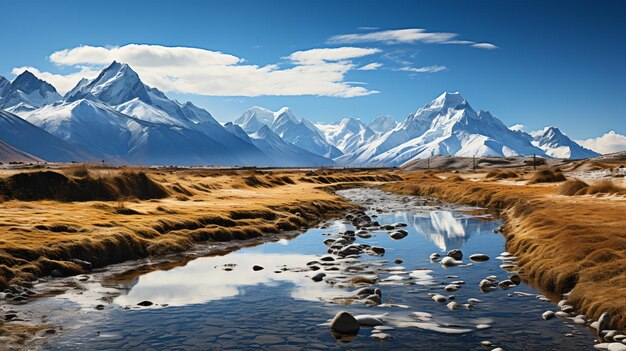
[345,323]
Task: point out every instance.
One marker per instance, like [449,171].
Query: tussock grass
[547,176]
[49,185]
[502,174]
[562,244]
[572,187]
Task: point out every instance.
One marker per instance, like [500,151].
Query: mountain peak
[28,82]
[116,84]
[448,99]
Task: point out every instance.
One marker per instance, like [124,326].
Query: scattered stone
[398,235]
[434,256]
[452,306]
[368,320]
[378,250]
[450,261]
[451,288]
[506,284]
[603,321]
[439,298]
[482,326]
[99,307]
[547,315]
[479,257]
[344,323]
[580,319]
[397,261]
[456,254]
[617,346]
[486,343]
[516,279]
[327,258]
[145,303]
[381,336]
[318,277]
[257,268]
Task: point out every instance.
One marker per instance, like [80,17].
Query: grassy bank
[65,221]
[574,242]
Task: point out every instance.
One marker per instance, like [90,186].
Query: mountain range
[118,119]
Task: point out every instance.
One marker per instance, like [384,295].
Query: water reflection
[210,278]
[446,229]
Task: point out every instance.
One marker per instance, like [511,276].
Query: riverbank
[564,244]
[62,222]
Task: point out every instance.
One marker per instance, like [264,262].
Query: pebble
[482,326]
[368,320]
[456,254]
[381,336]
[547,315]
[345,323]
[257,268]
[451,288]
[516,279]
[486,343]
[434,256]
[439,298]
[145,303]
[450,261]
[318,277]
[479,257]
[603,321]
[452,306]
[397,261]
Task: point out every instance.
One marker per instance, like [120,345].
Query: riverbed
[265,297]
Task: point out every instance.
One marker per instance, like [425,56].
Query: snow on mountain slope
[255,118]
[27,92]
[556,144]
[348,134]
[116,137]
[300,132]
[286,153]
[303,134]
[383,124]
[446,126]
[35,141]
[121,87]
[10,154]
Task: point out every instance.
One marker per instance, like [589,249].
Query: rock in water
[318,277]
[479,257]
[344,323]
[456,254]
[257,268]
[449,261]
[547,315]
[603,321]
[368,320]
[145,303]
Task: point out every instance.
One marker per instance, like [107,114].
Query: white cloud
[605,144]
[425,69]
[197,71]
[517,127]
[406,36]
[371,66]
[315,56]
[486,46]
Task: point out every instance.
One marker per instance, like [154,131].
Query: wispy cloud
[198,71]
[518,127]
[370,67]
[368,28]
[406,36]
[425,69]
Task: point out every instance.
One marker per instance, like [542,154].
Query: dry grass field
[569,235]
[64,220]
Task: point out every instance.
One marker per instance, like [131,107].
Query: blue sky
[556,63]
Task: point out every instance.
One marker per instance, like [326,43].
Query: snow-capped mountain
[300,132]
[35,141]
[27,92]
[383,124]
[116,137]
[256,117]
[287,153]
[348,134]
[447,125]
[556,144]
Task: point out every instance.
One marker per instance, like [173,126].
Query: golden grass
[502,174]
[547,176]
[107,216]
[564,244]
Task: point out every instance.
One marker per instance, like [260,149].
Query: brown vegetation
[55,220]
[547,176]
[563,244]
[502,174]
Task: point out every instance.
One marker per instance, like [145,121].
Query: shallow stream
[221,302]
